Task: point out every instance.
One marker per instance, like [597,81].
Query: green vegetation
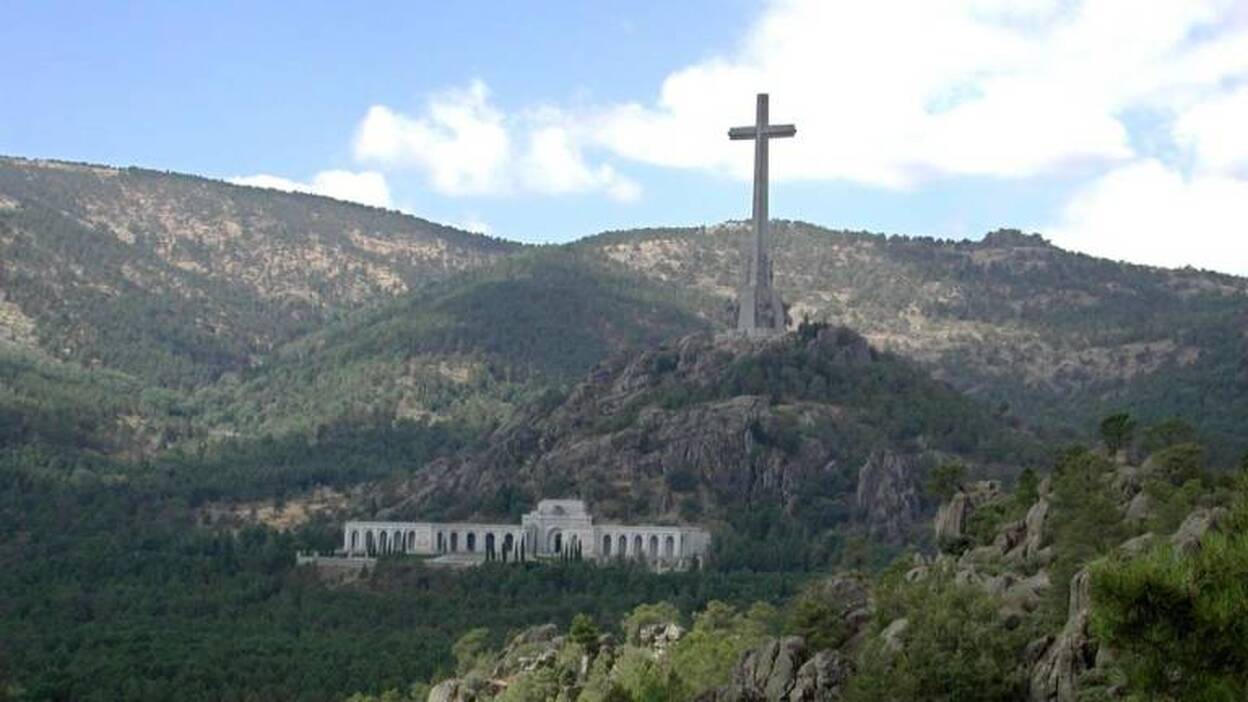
[1117,431]
[183,347]
[954,645]
[110,592]
[1155,343]
[1180,619]
[946,479]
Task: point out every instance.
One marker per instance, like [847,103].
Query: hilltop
[1054,337]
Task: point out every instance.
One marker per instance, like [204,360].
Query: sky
[1114,127]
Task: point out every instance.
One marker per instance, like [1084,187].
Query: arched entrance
[669,547]
[509,543]
[638,550]
[454,541]
[489,545]
[654,546]
[472,542]
[383,543]
[623,546]
[606,546]
[441,542]
[554,541]
[355,541]
[370,544]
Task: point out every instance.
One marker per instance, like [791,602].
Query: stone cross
[760,311]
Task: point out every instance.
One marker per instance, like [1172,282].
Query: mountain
[176,279]
[808,437]
[1055,337]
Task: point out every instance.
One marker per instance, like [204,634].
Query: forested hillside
[1055,337]
[197,379]
[176,279]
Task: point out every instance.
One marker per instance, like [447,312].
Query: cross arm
[771,131]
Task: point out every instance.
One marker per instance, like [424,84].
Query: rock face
[1187,537]
[782,670]
[463,690]
[1055,675]
[659,638]
[533,648]
[706,423]
[887,496]
[951,519]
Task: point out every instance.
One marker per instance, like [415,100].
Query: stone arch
[606,546]
[355,541]
[396,541]
[454,541]
[638,546]
[411,540]
[654,546]
[554,541]
[509,543]
[370,543]
[383,543]
[441,545]
[489,543]
[669,547]
[471,540]
[622,543]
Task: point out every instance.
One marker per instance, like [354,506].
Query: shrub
[946,479]
[646,615]
[1117,430]
[1180,622]
[1180,463]
[954,647]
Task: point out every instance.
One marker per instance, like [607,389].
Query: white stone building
[555,527]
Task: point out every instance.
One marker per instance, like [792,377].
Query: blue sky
[1112,131]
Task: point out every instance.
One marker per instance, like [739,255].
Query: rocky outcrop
[950,524]
[850,596]
[1187,538]
[891,636]
[887,497]
[1028,545]
[1063,658]
[533,648]
[782,670]
[705,423]
[464,690]
[659,638]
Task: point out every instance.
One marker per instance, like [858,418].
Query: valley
[198,379]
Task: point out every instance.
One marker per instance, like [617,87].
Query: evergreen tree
[1117,431]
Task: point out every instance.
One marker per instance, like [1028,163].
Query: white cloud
[894,92]
[467,146]
[1216,131]
[1146,212]
[1166,215]
[462,141]
[366,187]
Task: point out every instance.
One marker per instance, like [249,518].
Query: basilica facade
[556,528]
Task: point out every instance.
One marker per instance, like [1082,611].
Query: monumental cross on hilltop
[760,311]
